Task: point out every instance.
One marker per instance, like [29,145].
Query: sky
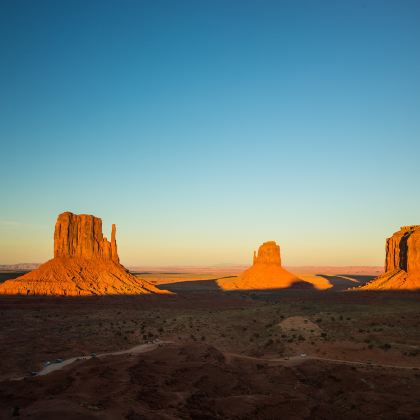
[204,128]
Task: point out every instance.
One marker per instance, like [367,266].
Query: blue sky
[203,128]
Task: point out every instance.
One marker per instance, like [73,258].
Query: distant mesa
[402,262]
[85,263]
[267,273]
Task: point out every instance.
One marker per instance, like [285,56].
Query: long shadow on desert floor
[211,285]
[345,281]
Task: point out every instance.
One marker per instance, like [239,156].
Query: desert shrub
[385,346]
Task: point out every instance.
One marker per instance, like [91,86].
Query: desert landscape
[263,343]
[209,210]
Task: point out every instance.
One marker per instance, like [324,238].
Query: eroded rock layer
[267,273]
[80,235]
[85,263]
[402,262]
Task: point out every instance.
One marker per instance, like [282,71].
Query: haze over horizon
[203,129]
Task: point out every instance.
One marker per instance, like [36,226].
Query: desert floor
[291,354]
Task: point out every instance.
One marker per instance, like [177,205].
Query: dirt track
[299,359]
[144,348]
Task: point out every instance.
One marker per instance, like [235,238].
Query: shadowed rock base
[394,280]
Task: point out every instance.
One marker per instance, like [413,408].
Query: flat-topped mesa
[403,250]
[80,235]
[402,262]
[268,253]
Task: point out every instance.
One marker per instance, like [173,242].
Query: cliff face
[402,261]
[268,253]
[85,263]
[413,251]
[403,250]
[267,273]
[81,236]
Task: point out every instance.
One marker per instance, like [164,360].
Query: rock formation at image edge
[267,273]
[402,262]
[85,263]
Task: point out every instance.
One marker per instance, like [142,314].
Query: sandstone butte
[402,262]
[85,263]
[267,273]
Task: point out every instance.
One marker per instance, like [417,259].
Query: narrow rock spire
[114,252]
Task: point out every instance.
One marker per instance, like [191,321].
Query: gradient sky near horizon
[203,128]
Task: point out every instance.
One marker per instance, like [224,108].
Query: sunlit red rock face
[85,263]
[402,262]
[80,235]
[267,273]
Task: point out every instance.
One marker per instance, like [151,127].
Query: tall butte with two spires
[267,273]
[85,263]
[402,262]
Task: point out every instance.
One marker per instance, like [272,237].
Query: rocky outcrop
[80,235]
[268,253]
[402,262]
[85,263]
[267,273]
